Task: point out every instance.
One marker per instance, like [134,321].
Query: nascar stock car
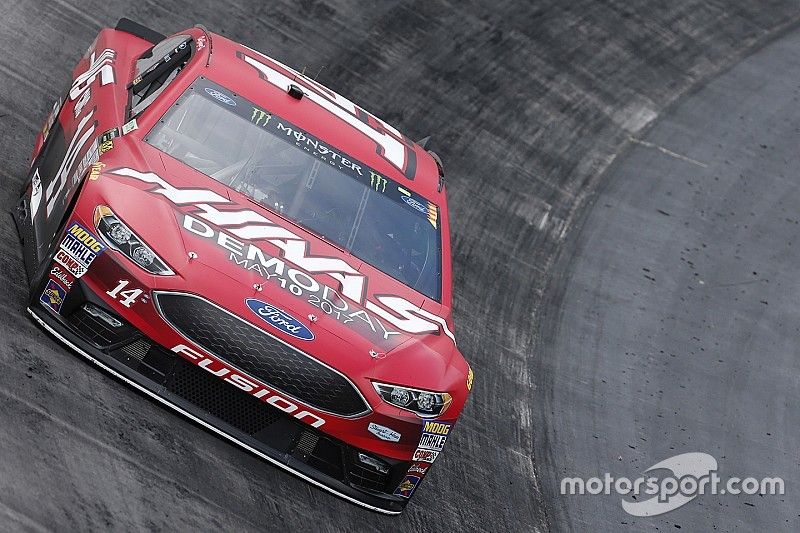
[254,251]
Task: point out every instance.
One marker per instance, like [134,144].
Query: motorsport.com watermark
[692,474]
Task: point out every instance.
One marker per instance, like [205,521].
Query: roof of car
[325,114]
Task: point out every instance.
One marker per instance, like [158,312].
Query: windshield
[291,172]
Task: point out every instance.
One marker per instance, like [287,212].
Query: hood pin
[258,287]
[192,256]
[312,318]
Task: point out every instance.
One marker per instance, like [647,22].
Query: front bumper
[254,425]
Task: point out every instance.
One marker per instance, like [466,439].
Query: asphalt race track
[622,177]
[673,325]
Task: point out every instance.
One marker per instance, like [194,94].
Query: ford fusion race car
[254,251]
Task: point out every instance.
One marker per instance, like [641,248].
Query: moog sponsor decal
[434,436]
[81,245]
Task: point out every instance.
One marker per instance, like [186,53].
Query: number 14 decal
[126,298]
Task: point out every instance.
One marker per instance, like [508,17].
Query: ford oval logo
[279,319]
[416,204]
[222,97]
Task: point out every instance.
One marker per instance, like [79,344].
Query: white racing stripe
[205,424]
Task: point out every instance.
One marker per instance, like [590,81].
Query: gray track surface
[673,326]
[529,103]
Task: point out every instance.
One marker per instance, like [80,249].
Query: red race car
[253,250]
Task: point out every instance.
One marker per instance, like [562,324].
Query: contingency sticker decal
[434,436]
[53,296]
[82,247]
[407,486]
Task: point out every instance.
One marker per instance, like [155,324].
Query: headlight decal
[425,404]
[122,239]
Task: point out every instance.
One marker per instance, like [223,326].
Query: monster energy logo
[259,117]
[377,182]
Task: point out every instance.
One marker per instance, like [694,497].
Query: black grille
[100,326]
[222,404]
[326,455]
[221,399]
[279,430]
[261,355]
[366,475]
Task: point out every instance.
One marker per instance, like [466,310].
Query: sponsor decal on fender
[417,468]
[437,428]
[53,296]
[108,135]
[426,456]
[409,484]
[434,436]
[130,126]
[106,146]
[248,384]
[81,245]
[70,263]
[407,487]
[56,273]
[97,168]
[279,319]
[383,433]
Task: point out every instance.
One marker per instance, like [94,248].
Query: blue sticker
[53,296]
[279,319]
[416,204]
[407,486]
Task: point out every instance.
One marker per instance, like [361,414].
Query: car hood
[221,249]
